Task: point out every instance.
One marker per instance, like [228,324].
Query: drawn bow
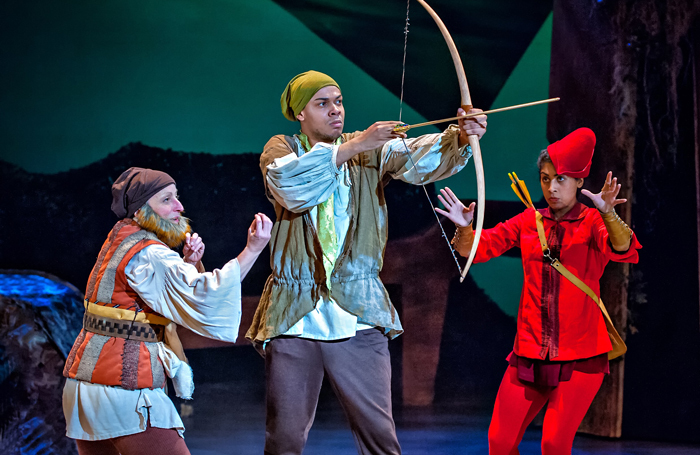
[473,139]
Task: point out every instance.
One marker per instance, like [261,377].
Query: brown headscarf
[135,187]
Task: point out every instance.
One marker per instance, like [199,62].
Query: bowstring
[403,66]
[422,184]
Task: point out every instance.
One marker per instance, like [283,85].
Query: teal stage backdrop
[82,79]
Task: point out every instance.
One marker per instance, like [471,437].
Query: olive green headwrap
[300,90]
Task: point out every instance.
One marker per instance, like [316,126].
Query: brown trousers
[358,369]
[153,441]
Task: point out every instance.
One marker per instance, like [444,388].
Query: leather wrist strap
[463,239]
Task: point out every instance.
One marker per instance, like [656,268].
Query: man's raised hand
[259,233]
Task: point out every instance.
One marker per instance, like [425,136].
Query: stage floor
[227,419]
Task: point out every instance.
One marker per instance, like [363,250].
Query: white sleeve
[436,156]
[299,183]
[207,303]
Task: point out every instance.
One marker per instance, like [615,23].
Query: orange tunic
[116,360]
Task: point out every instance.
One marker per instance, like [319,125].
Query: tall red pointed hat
[573,154]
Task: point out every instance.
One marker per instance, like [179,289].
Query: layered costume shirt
[209,304]
[296,300]
[556,320]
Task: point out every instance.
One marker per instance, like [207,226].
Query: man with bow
[324,310]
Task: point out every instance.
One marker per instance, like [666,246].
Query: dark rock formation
[41,316]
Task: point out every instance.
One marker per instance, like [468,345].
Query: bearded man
[138,291]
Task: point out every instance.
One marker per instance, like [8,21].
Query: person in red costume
[561,344]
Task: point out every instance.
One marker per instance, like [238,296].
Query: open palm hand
[456,211]
[606,200]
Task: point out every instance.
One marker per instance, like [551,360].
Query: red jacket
[555,318]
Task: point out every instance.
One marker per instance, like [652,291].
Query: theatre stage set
[192,88]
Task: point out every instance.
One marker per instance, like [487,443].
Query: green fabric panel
[491,37]
[86,78]
[501,279]
[514,138]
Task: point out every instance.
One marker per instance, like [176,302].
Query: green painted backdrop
[80,79]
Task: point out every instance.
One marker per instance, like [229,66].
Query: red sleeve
[501,238]
[600,236]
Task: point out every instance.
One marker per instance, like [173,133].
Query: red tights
[153,441]
[518,403]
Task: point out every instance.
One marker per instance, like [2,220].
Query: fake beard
[167,232]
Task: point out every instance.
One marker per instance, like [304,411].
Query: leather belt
[120,328]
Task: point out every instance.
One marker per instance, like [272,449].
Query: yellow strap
[540,234]
[125,315]
[559,267]
[619,346]
[521,190]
